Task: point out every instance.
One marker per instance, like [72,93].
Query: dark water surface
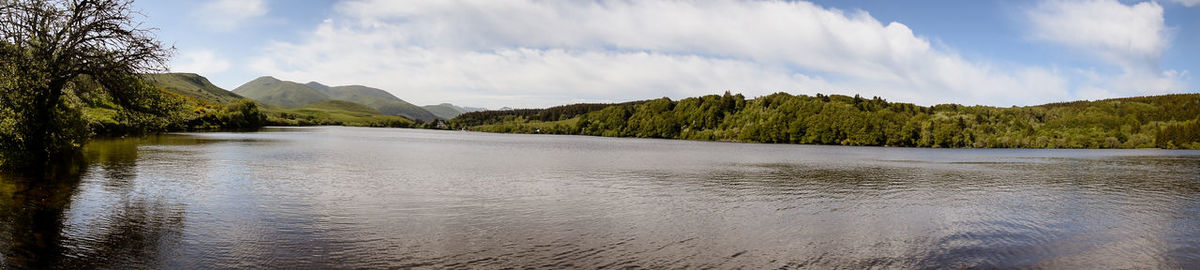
[336,197]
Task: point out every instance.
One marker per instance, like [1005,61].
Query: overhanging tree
[52,50]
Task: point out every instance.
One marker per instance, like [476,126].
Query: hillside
[380,100]
[285,94]
[1168,121]
[205,106]
[192,85]
[341,105]
[335,112]
[448,111]
[289,94]
[324,89]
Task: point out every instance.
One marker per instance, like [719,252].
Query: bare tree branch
[46,46]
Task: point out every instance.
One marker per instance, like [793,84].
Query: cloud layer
[227,15]
[1186,3]
[540,53]
[1130,37]
[200,61]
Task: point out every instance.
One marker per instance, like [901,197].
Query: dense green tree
[50,51]
[1180,135]
[1167,121]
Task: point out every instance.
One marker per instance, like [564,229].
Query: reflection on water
[47,226]
[385,198]
[31,212]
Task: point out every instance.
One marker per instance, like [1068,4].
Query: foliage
[54,51]
[549,114]
[241,115]
[1180,135]
[155,111]
[1167,121]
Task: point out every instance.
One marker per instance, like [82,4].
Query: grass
[338,105]
[331,115]
[192,86]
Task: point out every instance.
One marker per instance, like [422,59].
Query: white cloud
[1131,37]
[226,15]
[537,53]
[204,62]
[530,77]
[1186,3]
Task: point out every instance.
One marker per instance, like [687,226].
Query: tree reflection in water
[41,228]
[31,207]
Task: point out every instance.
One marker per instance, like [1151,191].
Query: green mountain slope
[448,111]
[335,112]
[289,94]
[341,105]
[192,85]
[191,102]
[444,110]
[1167,121]
[380,100]
[324,89]
[286,94]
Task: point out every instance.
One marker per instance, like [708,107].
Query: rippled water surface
[336,197]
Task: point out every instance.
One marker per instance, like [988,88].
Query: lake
[340,197]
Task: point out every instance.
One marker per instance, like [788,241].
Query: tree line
[70,69]
[1168,121]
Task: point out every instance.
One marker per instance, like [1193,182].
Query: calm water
[336,197]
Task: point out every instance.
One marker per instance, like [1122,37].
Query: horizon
[871,134]
[523,54]
[700,95]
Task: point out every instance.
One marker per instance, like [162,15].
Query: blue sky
[516,53]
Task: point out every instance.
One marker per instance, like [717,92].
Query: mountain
[286,94]
[294,95]
[448,111]
[380,100]
[324,89]
[207,106]
[193,86]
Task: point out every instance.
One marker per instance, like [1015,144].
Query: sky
[532,54]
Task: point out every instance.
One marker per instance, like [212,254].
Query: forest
[1166,121]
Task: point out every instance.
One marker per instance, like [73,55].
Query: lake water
[338,197]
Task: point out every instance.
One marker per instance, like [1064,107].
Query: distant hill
[286,94]
[324,89]
[205,106]
[380,100]
[448,111]
[294,95]
[193,86]
[341,105]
